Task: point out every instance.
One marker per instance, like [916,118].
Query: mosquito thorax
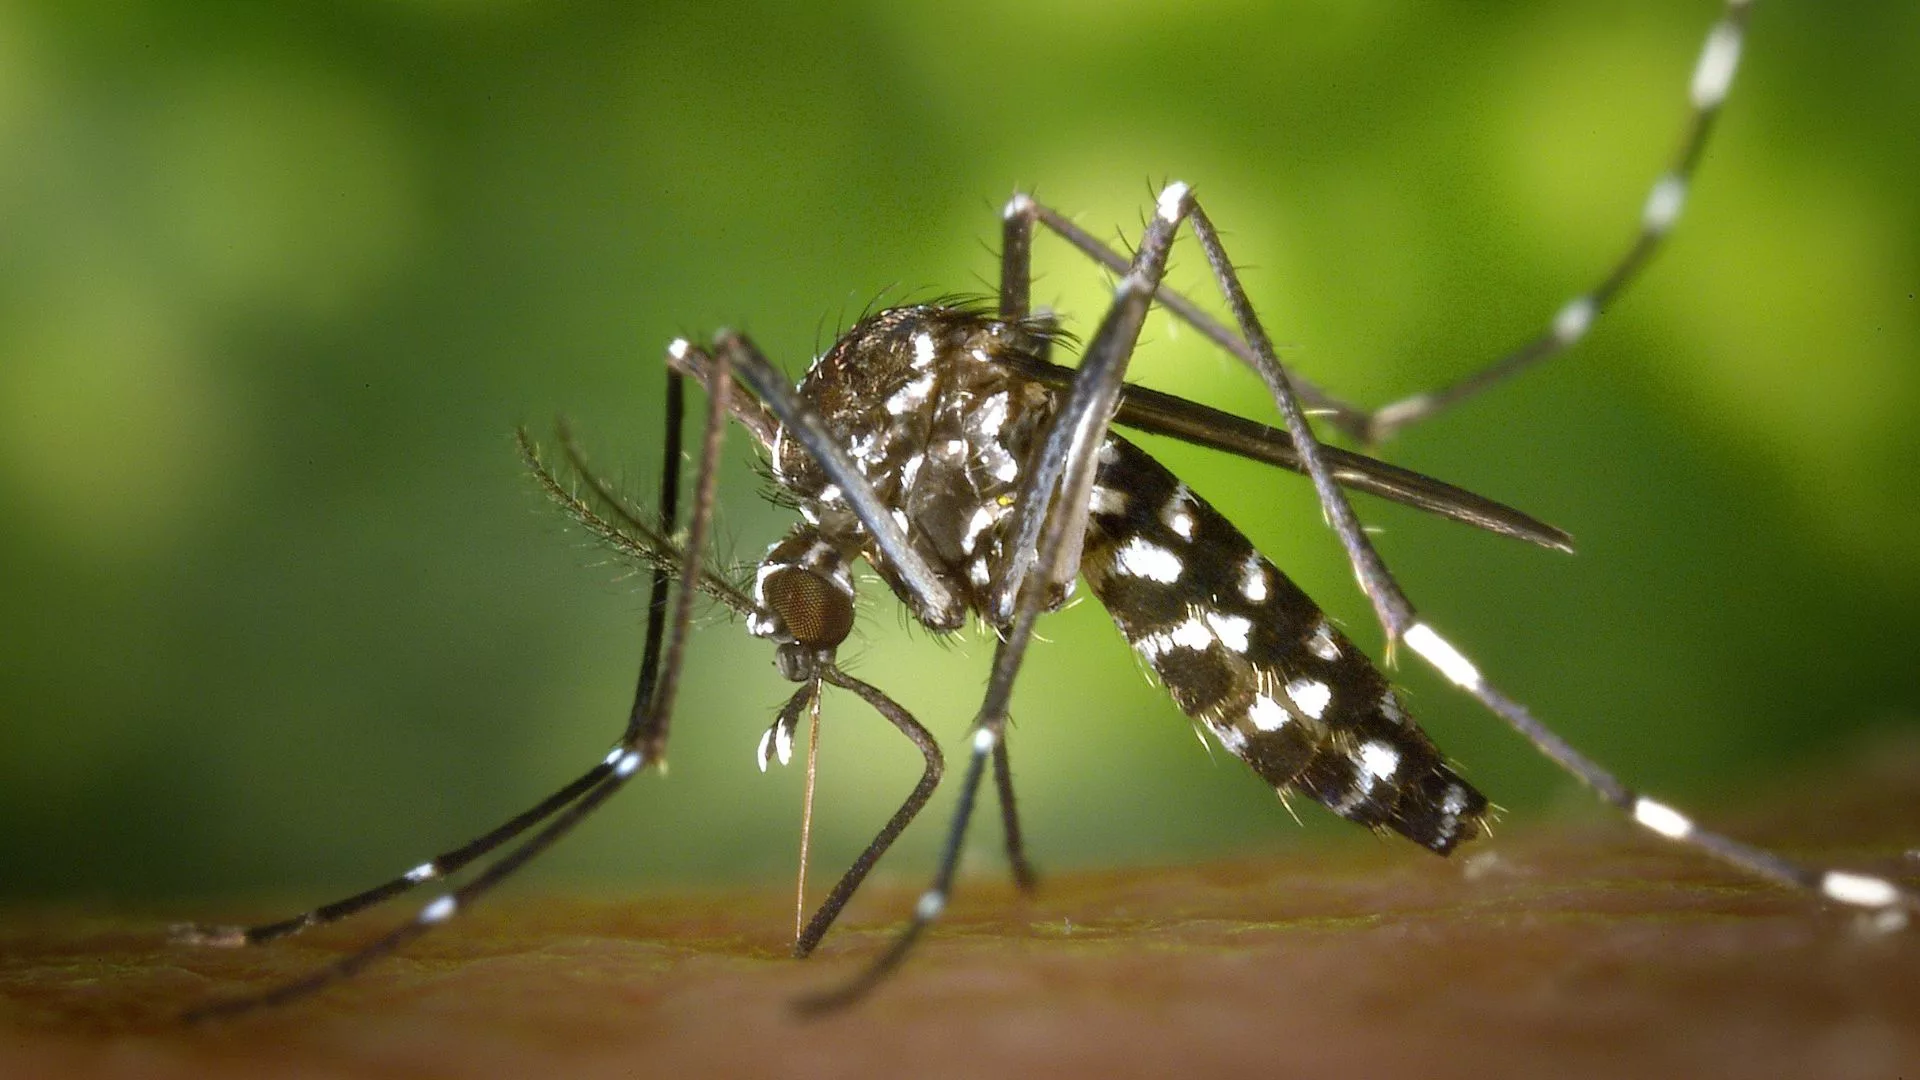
[934,420]
[918,414]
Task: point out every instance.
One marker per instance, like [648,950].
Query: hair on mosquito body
[940,445]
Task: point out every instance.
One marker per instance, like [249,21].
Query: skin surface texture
[1576,950]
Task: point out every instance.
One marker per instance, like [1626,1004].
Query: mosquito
[940,444]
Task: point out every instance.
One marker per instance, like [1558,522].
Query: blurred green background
[277,282]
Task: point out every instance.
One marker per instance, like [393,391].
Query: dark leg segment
[451,862]
[804,425]
[1063,469]
[643,743]
[929,779]
[1045,547]
[1023,873]
[932,902]
[443,865]
[1707,90]
[1398,618]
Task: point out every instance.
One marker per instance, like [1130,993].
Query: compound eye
[816,610]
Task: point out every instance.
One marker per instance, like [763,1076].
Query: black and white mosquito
[941,444]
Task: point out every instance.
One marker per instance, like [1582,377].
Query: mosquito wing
[1189,421]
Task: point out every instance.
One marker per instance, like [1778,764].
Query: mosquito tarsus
[940,444]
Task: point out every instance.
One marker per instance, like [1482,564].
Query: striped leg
[1891,902]
[644,742]
[1711,80]
[1043,555]
[1707,90]
[453,861]
[779,414]
[803,586]
[1402,623]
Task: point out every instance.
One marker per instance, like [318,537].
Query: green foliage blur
[277,281]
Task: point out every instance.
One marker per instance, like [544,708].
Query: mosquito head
[816,614]
[803,593]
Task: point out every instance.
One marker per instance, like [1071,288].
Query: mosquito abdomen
[1242,650]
